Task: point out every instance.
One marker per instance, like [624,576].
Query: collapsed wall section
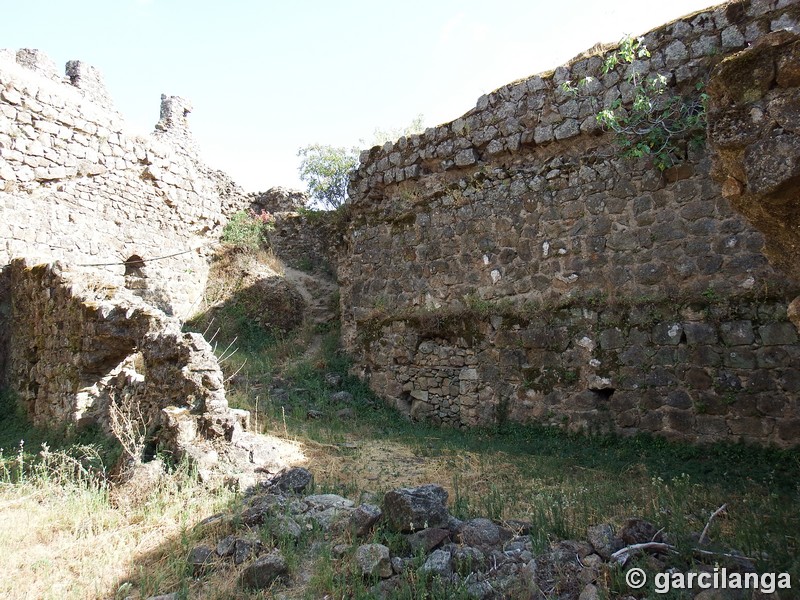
[76,185]
[131,222]
[511,264]
[82,349]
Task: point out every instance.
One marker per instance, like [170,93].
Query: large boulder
[412,509]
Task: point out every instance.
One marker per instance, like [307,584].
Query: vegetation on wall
[380,136]
[657,122]
[248,229]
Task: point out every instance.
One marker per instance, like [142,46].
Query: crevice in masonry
[604,393]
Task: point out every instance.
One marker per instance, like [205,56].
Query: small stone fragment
[363,519]
[264,571]
[294,480]
[438,563]
[373,560]
[200,559]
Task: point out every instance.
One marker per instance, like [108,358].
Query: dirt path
[318,291]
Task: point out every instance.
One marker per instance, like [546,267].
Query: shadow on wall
[247,296]
[78,346]
[5,322]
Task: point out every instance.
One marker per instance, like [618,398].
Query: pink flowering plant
[248,229]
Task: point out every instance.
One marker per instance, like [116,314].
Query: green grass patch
[560,482]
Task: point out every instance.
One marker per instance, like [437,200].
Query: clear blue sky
[269,77]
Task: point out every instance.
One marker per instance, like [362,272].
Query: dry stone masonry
[77,185]
[80,346]
[303,238]
[131,222]
[511,265]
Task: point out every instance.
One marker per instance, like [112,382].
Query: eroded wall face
[83,351]
[754,131]
[76,185]
[511,265]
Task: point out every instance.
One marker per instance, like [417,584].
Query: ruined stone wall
[303,239]
[511,265]
[80,346]
[754,132]
[306,241]
[76,185]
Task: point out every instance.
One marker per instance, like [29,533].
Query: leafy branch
[656,123]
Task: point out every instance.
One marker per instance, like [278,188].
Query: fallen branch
[622,556]
[704,535]
[320,445]
[735,557]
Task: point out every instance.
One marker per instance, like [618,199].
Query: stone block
[680,420]
[700,333]
[772,357]
[790,380]
[651,421]
[465,158]
[679,399]
[774,334]
[611,339]
[569,128]
[373,560]
[740,358]
[737,333]
[789,430]
[711,425]
[698,378]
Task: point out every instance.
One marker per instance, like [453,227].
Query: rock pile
[413,536]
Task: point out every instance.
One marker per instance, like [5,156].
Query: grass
[63,536]
[560,482]
[247,229]
[77,542]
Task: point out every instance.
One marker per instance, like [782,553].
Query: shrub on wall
[247,229]
[656,123]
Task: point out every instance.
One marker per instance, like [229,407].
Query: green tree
[326,169]
[658,122]
[326,172]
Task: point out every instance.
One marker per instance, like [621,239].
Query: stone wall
[303,239]
[306,241]
[511,265]
[80,346]
[76,185]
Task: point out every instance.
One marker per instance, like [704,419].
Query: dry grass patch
[63,542]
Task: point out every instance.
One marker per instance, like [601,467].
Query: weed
[247,229]
[305,264]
